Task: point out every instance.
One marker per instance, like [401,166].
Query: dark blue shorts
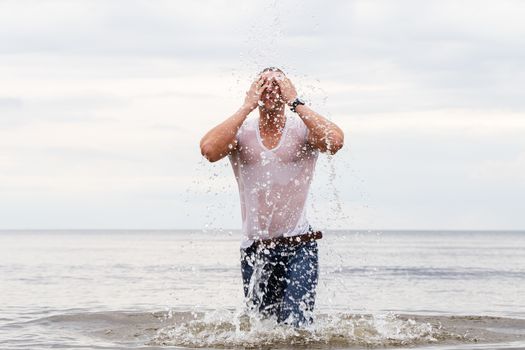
[281,281]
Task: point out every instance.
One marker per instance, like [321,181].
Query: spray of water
[245,327]
[237,329]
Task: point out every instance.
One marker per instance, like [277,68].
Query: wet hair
[271,69]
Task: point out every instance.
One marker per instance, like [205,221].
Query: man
[273,159]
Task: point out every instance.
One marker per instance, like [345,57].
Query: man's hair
[272,69]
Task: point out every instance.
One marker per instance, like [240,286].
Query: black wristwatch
[296,103]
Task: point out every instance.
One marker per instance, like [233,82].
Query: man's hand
[324,135]
[288,91]
[221,140]
[253,95]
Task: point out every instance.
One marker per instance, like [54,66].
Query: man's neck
[272,120]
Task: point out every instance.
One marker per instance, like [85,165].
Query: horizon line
[238,229]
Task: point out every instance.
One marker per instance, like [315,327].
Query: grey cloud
[10,102]
[110,28]
[73,109]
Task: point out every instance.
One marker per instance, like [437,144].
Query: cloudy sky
[103,103]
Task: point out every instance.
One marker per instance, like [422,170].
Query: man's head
[271,97]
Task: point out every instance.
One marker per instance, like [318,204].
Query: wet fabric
[280,281]
[273,183]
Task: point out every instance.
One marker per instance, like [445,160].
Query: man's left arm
[324,135]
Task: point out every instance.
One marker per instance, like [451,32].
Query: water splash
[263,47]
[231,329]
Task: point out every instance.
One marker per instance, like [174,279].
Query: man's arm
[324,135]
[221,140]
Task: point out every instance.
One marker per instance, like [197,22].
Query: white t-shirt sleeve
[304,129]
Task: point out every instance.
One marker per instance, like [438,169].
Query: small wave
[430,273]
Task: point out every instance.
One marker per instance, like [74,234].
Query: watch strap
[296,103]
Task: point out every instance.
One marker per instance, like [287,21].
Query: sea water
[151,289]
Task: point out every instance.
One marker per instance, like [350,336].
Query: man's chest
[281,149]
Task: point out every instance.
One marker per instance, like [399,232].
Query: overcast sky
[103,103]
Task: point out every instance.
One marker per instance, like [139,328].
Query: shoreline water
[63,289]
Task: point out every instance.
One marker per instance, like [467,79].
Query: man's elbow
[208,151]
[335,144]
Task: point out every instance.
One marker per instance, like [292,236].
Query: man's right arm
[221,140]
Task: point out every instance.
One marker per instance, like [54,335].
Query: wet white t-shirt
[273,183]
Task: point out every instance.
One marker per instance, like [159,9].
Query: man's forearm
[324,135]
[221,140]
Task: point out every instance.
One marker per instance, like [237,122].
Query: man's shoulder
[247,129]
[248,123]
[297,124]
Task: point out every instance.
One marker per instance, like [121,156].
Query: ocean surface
[145,289]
